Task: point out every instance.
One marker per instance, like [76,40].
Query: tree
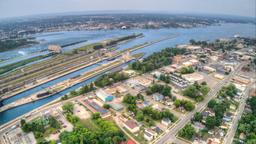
[193,42]
[22,122]
[164,78]
[188,132]
[211,122]
[189,106]
[96,115]
[68,107]
[139,115]
[186,70]
[53,122]
[74,93]
[198,117]
[252,103]
[140,97]
[211,103]
[106,106]
[129,99]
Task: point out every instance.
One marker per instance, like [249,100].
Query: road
[170,136]
[232,130]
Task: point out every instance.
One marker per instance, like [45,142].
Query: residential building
[132,126]
[149,134]
[166,121]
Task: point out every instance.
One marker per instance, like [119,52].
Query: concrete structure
[54,48]
[17,136]
[104,96]
[209,69]
[132,126]
[193,77]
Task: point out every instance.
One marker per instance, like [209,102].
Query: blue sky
[13,8]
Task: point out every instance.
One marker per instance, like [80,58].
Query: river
[182,36]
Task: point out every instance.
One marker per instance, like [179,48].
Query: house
[143,104]
[157,130]
[166,121]
[158,97]
[132,126]
[104,96]
[149,134]
[198,126]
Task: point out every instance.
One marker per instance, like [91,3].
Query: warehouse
[104,96]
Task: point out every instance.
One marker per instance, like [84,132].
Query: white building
[104,96]
[149,134]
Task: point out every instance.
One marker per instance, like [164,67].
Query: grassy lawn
[139,138]
[49,131]
[89,124]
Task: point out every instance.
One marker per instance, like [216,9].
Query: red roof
[130,141]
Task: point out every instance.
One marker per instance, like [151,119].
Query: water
[183,36]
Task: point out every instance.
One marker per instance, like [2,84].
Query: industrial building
[104,96]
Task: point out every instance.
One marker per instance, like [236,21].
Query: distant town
[15,33]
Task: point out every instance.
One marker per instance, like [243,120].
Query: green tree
[68,107]
[96,115]
[211,122]
[106,106]
[188,132]
[198,117]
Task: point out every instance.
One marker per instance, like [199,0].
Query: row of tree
[84,89]
[156,60]
[109,79]
[165,90]
[247,123]
[197,91]
[106,133]
[40,126]
[187,105]
[186,70]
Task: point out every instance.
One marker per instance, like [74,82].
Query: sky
[16,8]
